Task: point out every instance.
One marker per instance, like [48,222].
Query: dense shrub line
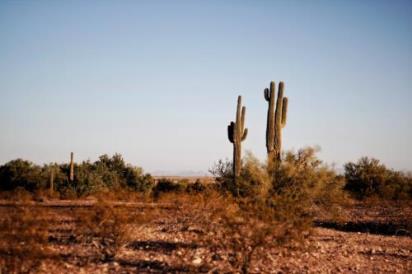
[263,208]
[302,173]
[90,177]
[301,177]
[370,178]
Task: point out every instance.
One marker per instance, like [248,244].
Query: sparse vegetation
[105,173]
[369,178]
[271,212]
[251,209]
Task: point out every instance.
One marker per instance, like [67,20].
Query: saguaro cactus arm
[231,132]
[279,105]
[270,127]
[244,134]
[284,111]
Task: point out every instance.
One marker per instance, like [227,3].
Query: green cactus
[276,121]
[71,175]
[236,134]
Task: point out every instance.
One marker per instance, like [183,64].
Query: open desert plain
[205,136]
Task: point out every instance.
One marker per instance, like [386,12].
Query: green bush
[368,177]
[137,180]
[196,187]
[165,185]
[252,182]
[301,183]
[302,172]
[107,173]
[19,174]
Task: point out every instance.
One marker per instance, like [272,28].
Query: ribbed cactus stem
[236,134]
[71,175]
[276,121]
[270,127]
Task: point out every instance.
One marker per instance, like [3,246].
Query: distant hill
[187,173]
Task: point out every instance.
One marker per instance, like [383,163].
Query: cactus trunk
[276,121]
[52,180]
[236,134]
[71,175]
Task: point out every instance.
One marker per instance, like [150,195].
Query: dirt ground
[364,242]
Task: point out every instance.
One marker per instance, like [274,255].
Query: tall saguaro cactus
[276,121]
[236,134]
[71,175]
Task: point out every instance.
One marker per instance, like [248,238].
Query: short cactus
[71,175]
[276,121]
[51,185]
[236,134]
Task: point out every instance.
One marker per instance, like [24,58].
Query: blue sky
[157,81]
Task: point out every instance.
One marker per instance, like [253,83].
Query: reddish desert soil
[169,244]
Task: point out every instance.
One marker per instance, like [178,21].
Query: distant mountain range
[184,173]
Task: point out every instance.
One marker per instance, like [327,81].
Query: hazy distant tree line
[104,174]
[362,179]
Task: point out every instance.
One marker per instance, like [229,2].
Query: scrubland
[114,218]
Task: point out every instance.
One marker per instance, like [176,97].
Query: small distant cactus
[276,121]
[71,175]
[52,179]
[236,134]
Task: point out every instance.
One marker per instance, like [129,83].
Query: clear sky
[157,81]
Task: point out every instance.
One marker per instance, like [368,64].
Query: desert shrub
[223,173]
[299,186]
[303,174]
[19,194]
[280,205]
[252,182]
[239,228]
[105,226]
[137,180]
[165,185]
[368,177]
[90,177]
[88,180]
[108,173]
[19,173]
[249,228]
[196,187]
[24,234]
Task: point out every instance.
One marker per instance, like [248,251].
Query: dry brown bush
[242,228]
[105,226]
[24,234]
[304,186]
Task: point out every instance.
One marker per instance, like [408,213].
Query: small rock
[216,257]
[197,261]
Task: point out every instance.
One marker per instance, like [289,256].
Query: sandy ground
[168,245]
